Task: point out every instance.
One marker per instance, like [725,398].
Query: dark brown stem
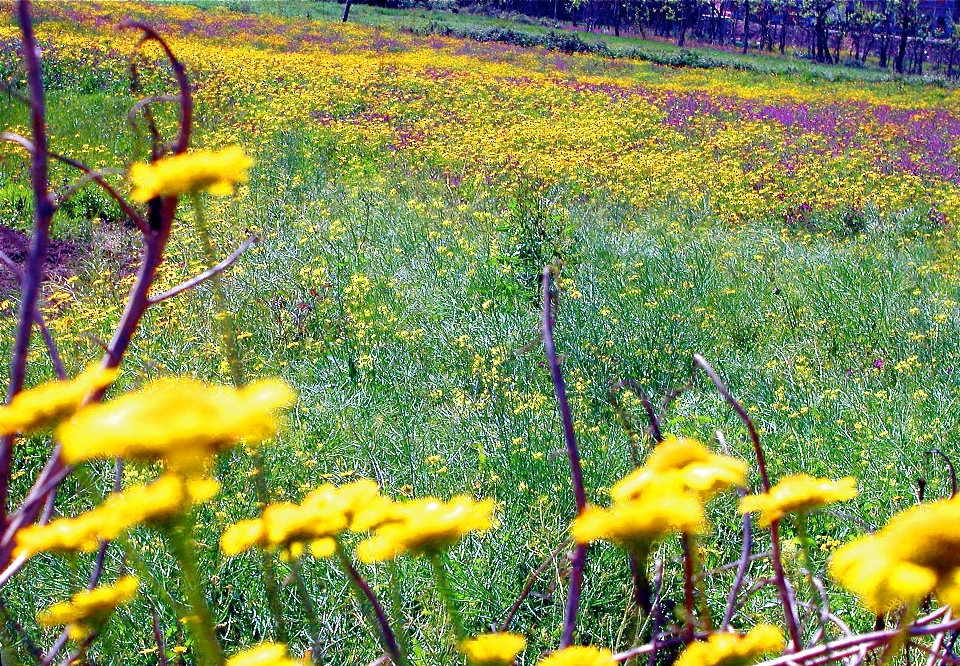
[579,559]
[42,215]
[531,579]
[653,420]
[383,624]
[950,469]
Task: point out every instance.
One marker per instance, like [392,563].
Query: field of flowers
[407,192]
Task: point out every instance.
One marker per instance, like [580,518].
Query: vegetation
[385,259]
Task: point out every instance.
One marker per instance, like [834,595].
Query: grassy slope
[445,401]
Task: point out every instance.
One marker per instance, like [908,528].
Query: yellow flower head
[917,553]
[157,501]
[425,527]
[690,463]
[48,403]
[265,654]
[796,493]
[638,523]
[87,610]
[215,172]
[578,655]
[324,514]
[492,649]
[181,421]
[731,649]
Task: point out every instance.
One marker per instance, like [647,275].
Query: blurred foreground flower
[50,402]
[499,649]
[425,527]
[578,655]
[265,654]
[181,421]
[87,610]
[690,463]
[732,649]
[797,493]
[215,172]
[322,516]
[916,554]
[157,501]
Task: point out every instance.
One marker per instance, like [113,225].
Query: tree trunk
[346,11]
[746,24]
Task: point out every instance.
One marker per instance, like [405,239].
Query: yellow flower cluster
[797,493]
[265,654]
[500,649]
[215,172]
[181,421]
[87,610]
[732,649]
[579,655]
[425,527]
[661,498]
[916,554]
[322,516]
[48,403]
[157,501]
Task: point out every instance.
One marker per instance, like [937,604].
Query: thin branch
[23,141]
[251,240]
[128,210]
[531,579]
[579,559]
[950,469]
[654,423]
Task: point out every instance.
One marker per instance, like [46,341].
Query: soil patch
[61,261]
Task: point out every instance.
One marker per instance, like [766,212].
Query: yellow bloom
[578,655]
[165,497]
[324,514]
[730,649]
[50,402]
[916,554]
[492,649]
[690,463]
[215,172]
[87,610]
[638,523]
[181,421]
[265,654]
[425,527]
[799,492]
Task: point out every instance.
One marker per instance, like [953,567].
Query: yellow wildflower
[216,172]
[638,523]
[690,463]
[499,649]
[182,421]
[87,610]
[265,654]
[731,649]
[916,554]
[425,527]
[799,492]
[578,655]
[153,502]
[324,514]
[50,402]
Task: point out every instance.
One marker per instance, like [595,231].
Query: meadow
[407,192]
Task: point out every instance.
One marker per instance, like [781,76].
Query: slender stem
[808,565]
[446,595]
[396,609]
[200,620]
[579,559]
[42,215]
[741,571]
[689,603]
[366,596]
[8,626]
[786,597]
[528,587]
[309,608]
[207,274]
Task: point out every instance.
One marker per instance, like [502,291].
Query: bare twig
[531,579]
[252,239]
[654,423]
[950,469]
[579,559]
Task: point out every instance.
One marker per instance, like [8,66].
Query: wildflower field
[405,194]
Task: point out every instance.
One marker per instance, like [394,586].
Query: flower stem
[446,595]
[808,565]
[366,596]
[309,608]
[200,620]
